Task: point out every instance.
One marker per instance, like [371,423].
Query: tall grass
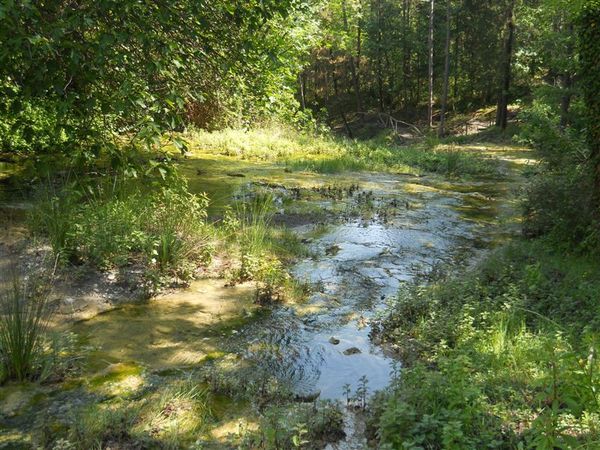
[117,221]
[24,318]
[52,216]
[255,217]
[326,153]
[171,418]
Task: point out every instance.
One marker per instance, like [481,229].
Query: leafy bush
[559,201]
[163,227]
[107,232]
[177,227]
[506,356]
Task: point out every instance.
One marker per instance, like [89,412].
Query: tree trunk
[354,66]
[333,74]
[502,111]
[565,101]
[567,85]
[405,53]
[441,130]
[430,106]
[379,62]
[589,50]
[302,85]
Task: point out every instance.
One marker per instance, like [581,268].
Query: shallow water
[390,230]
[358,265]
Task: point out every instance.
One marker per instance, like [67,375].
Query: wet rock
[307,397]
[352,351]
[332,250]
[334,340]
[15,401]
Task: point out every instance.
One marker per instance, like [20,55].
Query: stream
[366,234]
[398,228]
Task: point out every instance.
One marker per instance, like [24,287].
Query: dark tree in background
[590,74]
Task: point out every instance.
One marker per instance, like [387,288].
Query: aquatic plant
[115,222]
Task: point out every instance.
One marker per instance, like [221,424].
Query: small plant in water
[24,316]
[362,392]
[347,391]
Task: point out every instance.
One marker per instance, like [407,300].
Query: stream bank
[366,233]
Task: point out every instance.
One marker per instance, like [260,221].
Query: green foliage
[115,223]
[296,426]
[325,153]
[177,226]
[249,228]
[505,356]
[374,55]
[77,78]
[24,319]
[589,30]
[559,201]
[441,409]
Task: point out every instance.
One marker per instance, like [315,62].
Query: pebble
[352,351]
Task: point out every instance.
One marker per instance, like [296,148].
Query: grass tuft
[24,316]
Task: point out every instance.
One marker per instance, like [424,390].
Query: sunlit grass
[326,153]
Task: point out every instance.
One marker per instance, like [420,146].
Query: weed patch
[503,357]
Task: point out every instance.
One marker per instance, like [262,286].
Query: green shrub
[296,426]
[178,234]
[114,224]
[559,200]
[503,357]
[107,233]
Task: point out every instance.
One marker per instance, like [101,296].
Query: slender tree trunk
[565,101]
[441,130]
[302,86]
[354,65]
[333,74]
[379,62]
[502,111]
[405,52]
[430,106]
[456,63]
[566,85]
[358,56]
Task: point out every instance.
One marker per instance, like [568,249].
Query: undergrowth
[121,220]
[327,153]
[505,357]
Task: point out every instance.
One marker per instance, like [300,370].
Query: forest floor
[209,366]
